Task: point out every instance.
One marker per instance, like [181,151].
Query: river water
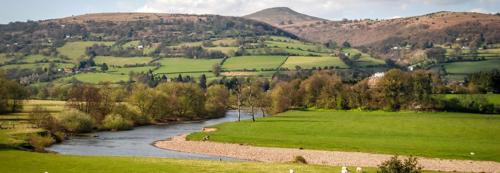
[138,142]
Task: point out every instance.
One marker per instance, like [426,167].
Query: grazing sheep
[344,170]
[291,171]
[359,170]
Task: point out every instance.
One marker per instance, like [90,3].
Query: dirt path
[335,158]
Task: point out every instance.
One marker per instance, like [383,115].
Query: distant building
[140,47]
[375,78]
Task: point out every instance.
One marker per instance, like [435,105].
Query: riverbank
[317,157]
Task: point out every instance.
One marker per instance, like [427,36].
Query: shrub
[40,142]
[75,121]
[300,159]
[132,114]
[394,165]
[117,122]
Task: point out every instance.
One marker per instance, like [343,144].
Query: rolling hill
[283,17]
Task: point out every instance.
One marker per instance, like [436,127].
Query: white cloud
[479,10]
[330,9]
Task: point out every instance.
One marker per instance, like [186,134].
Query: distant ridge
[283,16]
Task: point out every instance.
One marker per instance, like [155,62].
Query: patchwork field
[121,61]
[98,77]
[185,65]
[253,62]
[35,66]
[127,70]
[459,70]
[74,50]
[441,135]
[364,60]
[308,62]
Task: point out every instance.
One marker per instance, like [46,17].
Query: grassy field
[121,61]
[472,66]
[127,70]
[253,62]
[441,135]
[176,65]
[225,42]
[365,60]
[27,162]
[308,62]
[74,50]
[298,45]
[95,78]
[19,125]
[226,50]
[34,66]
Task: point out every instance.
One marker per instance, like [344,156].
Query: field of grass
[121,61]
[308,62]
[95,77]
[225,42]
[253,62]
[440,135]
[176,65]
[471,66]
[226,50]
[365,60]
[35,58]
[74,50]
[298,45]
[18,123]
[3,58]
[127,70]
[27,162]
[34,66]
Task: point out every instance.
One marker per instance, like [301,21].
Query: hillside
[438,27]
[283,17]
[148,27]
[381,36]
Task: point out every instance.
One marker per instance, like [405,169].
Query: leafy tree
[217,100]
[216,69]
[346,44]
[104,67]
[203,82]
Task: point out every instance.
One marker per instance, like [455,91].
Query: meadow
[185,65]
[121,61]
[253,62]
[437,135]
[96,77]
[74,50]
[28,162]
[308,62]
[459,70]
[364,60]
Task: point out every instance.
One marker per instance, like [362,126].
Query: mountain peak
[282,16]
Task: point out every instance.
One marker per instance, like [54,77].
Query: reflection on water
[138,142]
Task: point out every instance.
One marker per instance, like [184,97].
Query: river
[138,142]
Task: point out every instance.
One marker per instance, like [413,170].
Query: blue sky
[22,10]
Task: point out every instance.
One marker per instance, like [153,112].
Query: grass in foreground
[27,162]
[440,135]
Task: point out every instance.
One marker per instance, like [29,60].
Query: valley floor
[317,157]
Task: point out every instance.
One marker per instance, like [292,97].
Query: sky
[23,10]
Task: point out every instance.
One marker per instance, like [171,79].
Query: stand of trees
[396,90]
[11,95]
